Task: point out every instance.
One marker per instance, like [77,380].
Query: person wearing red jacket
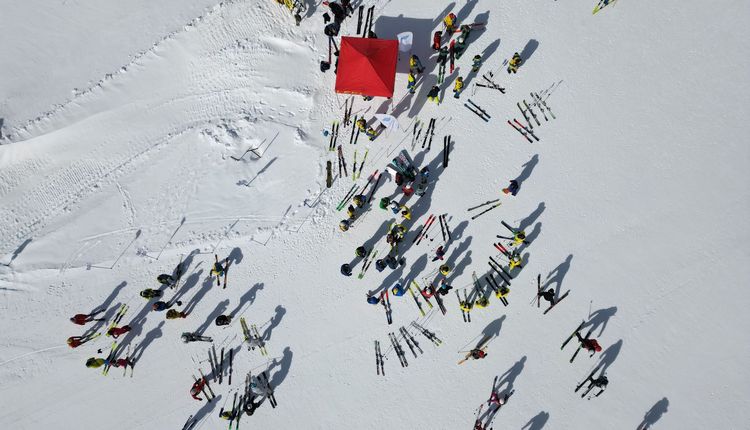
[116,332]
[76,341]
[197,388]
[589,344]
[82,319]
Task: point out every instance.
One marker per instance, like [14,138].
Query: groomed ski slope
[118,128]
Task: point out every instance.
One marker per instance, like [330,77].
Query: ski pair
[486,210]
[416,132]
[427,333]
[398,349]
[423,232]
[556,302]
[386,306]
[504,275]
[205,385]
[419,305]
[444,228]
[446,150]
[367,262]
[342,162]
[465,306]
[525,132]
[410,341]
[352,191]
[334,136]
[481,113]
[348,113]
[537,100]
[502,90]
[368,22]
[379,360]
[357,172]
[501,291]
[531,111]
[428,134]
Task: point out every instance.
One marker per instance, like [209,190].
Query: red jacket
[80,319]
[116,332]
[591,345]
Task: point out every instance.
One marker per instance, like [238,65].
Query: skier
[150,293]
[223,320]
[459,47]
[589,344]
[600,383]
[445,269]
[162,306]
[348,9]
[116,332]
[514,63]
[385,201]
[371,133]
[196,389]
[360,252]
[359,200]
[548,295]
[346,270]
[436,40]
[94,363]
[218,269]
[194,337]
[373,300]
[439,253]
[476,63]
[444,288]
[165,279]
[226,415]
[394,207]
[338,12]
[450,22]
[76,341]
[477,353]
[482,302]
[82,319]
[405,212]
[398,290]
[415,66]
[514,260]
[518,238]
[123,362]
[362,124]
[458,87]
[351,212]
[174,314]
[513,187]
[398,231]
[251,406]
[411,82]
[443,56]
[380,264]
[434,94]
[494,398]
[428,291]
[424,175]
[344,225]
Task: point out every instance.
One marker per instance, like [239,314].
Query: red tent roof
[367,66]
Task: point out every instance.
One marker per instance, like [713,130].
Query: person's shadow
[284,365]
[654,414]
[274,322]
[528,167]
[538,422]
[557,275]
[608,356]
[491,331]
[151,336]
[509,377]
[600,318]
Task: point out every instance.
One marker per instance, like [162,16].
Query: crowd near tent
[367,66]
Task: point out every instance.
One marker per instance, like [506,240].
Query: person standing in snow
[223,320]
[150,293]
[589,344]
[548,295]
[415,66]
[477,354]
[362,124]
[197,388]
[439,253]
[162,306]
[116,332]
[76,341]
[513,187]
[436,40]
[450,23]
[194,337]
[174,314]
[346,270]
[476,63]
[411,82]
[434,94]
[458,87]
[82,319]
[514,63]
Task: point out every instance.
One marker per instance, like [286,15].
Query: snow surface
[119,121]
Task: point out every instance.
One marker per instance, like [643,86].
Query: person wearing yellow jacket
[514,63]
[450,22]
[458,87]
[411,82]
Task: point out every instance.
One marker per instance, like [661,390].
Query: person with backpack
[82,319]
[434,94]
[150,293]
[116,332]
[458,87]
[514,63]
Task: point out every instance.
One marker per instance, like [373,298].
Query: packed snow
[136,137]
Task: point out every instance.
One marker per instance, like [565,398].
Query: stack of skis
[527,130]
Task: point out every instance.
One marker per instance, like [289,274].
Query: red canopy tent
[367,66]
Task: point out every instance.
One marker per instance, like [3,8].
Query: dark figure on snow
[150,293]
[223,320]
[477,354]
[346,270]
[512,187]
[514,63]
[82,319]
[251,406]
[76,341]
[194,337]
[116,332]
[197,388]
[589,344]
[163,306]
[548,295]
[439,253]
[174,314]
[434,94]
[338,11]
[165,279]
